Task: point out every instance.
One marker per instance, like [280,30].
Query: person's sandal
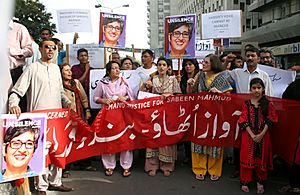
[109,172]
[167,173]
[214,178]
[200,177]
[245,188]
[152,173]
[260,188]
[126,173]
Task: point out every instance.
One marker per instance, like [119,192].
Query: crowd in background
[225,73]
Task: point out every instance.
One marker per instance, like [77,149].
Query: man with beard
[266,57]
[242,78]
[46,34]
[42,83]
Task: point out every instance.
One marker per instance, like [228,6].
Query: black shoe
[61,188]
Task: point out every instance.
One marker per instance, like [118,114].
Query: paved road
[181,182]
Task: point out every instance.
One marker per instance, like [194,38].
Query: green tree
[34,16]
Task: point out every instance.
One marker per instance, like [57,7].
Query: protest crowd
[43,79]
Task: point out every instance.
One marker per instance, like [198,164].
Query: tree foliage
[34,16]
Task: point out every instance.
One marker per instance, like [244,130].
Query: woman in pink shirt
[113,87]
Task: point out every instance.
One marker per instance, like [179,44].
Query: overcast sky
[136,30]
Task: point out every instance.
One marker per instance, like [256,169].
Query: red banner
[58,128]
[203,118]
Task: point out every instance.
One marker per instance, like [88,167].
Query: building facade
[250,20]
[157,10]
[279,29]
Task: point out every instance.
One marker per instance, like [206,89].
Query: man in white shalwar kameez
[42,83]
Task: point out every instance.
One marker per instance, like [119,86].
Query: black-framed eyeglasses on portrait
[177,34]
[111,27]
[18,144]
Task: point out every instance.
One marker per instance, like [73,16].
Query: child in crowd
[258,115]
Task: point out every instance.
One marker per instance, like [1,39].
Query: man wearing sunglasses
[42,83]
[180,34]
[112,30]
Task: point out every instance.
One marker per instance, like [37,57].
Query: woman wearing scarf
[79,103]
[161,83]
[207,158]
[114,87]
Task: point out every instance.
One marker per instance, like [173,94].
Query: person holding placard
[113,87]
[80,104]
[162,83]
[42,83]
[208,158]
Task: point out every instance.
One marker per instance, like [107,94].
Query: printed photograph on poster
[23,145]
[180,36]
[112,32]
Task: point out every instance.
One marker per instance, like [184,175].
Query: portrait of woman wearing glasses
[19,145]
[112,30]
[179,37]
